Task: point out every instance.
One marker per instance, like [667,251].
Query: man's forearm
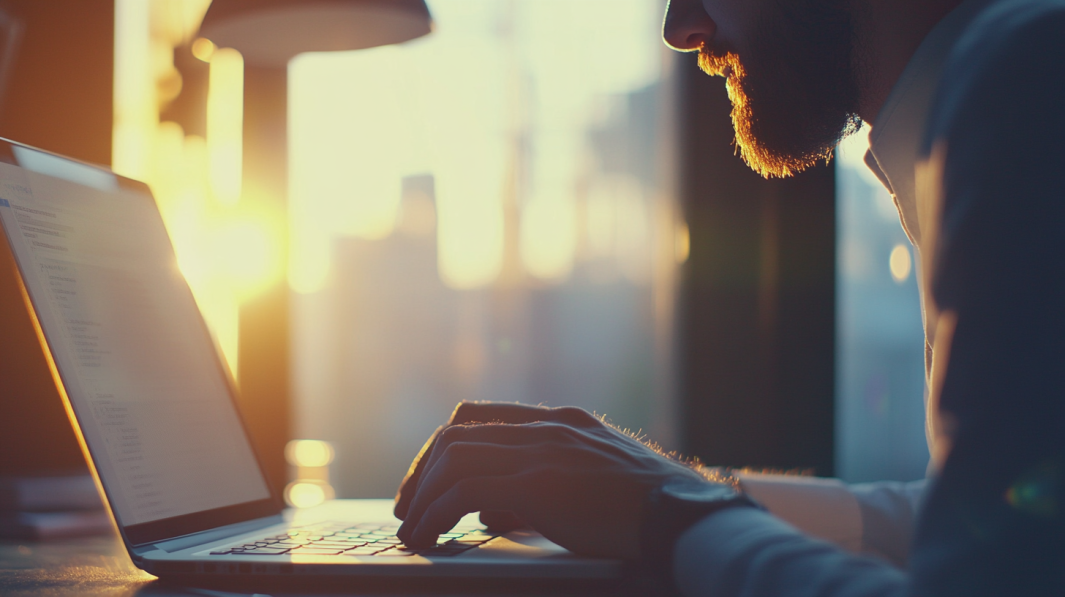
[873,519]
[746,552]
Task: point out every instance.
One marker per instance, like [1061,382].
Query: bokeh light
[307,494]
[900,263]
[308,453]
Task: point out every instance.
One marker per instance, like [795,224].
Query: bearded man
[966,99]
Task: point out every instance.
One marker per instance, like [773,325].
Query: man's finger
[501,521]
[469,495]
[487,412]
[461,461]
[466,413]
[507,435]
[409,485]
[435,446]
[516,414]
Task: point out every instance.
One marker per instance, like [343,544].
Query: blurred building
[507,235]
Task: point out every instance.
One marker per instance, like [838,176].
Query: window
[482,214]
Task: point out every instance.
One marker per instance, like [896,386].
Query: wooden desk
[74,567]
[99,566]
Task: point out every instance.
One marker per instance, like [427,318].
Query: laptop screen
[137,363]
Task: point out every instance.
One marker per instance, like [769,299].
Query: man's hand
[576,480]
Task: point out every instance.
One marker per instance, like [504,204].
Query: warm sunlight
[549,236]
[226,249]
[225,124]
[490,123]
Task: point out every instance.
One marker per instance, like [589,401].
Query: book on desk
[50,507]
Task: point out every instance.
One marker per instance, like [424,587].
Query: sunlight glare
[135,113]
[249,247]
[225,124]
[549,237]
[470,225]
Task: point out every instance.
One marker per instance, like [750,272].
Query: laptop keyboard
[371,539]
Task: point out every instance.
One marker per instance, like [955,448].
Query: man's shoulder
[1004,24]
[1010,55]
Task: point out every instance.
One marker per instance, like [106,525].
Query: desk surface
[92,566]
[99,566]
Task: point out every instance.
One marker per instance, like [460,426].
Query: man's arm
[870,518]
[993,524]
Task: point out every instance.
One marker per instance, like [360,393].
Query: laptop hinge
[172,545]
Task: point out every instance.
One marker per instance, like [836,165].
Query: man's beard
[794,92]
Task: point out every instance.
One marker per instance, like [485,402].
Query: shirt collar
[895,140]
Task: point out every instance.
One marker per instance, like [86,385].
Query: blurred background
[535,202]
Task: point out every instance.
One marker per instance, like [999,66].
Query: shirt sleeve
[874,518]
[744,552]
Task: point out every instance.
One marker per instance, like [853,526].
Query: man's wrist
[678,504]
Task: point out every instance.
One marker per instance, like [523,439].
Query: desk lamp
[270,32]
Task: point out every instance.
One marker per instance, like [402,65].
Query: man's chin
[768,161]
[771,159]
[769,146]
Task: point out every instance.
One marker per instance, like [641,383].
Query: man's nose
[687,26]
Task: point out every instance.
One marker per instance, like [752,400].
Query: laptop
[154,409]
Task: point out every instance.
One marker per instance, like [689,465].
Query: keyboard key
[265,551]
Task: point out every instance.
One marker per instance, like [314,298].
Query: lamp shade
[271,32]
